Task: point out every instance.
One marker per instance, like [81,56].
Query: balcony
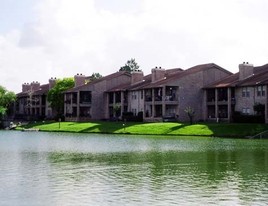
[85,102]
[148,98]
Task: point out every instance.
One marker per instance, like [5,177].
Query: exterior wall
[48,110]
[191,95]
[245,70]
[32,103]
[212,75]
[136,101]
[21,106]
[99,108]
[191,92]
[136,76]
[248,102]
[79,80]
[157,74]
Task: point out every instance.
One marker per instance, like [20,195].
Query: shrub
[130,117]
[241,118]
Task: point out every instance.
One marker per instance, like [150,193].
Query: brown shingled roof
[256,79]
[182,73]
[43,90]
[108,77]
[259,77]
[229,81]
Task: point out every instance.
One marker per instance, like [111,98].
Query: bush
[241,118]
[130,117]
[61,117]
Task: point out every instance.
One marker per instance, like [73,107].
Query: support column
[106,102]
[216,104]
[144,107]
[266,104]
[153,106]
[65,104]
[114,99]
[78,104]
[205,109]
[71,104]
[163,101]
[122,102]
[229,104]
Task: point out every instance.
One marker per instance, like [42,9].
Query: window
[245,92]
[261,91]
[246,111]
[134,96]
[141,94]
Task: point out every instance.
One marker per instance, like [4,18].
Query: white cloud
[84,36]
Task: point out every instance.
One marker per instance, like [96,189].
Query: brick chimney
[136,76]
[35,86]
[26,87]
[79,80]
[158,74]
[245,70]
[52,82]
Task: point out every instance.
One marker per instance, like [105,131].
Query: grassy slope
[204,129]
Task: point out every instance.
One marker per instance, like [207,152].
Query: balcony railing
[170,98]
[85,102]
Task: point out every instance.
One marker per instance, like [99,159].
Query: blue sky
[40,39]
[14,14]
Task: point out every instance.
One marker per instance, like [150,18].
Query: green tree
[6,98]
[56,96]
[95,76]
[130,66]
[117,109]
[190,112]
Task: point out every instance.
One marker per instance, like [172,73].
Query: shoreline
[223,130]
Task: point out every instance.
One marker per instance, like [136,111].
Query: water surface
[39,168]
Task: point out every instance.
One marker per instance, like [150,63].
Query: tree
[190,112]
[6,99]
[130,66]
[117,109]
[95,76]
[259,108]
[56,96]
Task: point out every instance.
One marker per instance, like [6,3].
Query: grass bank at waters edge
[166,128]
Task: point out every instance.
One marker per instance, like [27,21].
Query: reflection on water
[68,169]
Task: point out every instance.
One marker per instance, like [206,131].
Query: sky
[40,39]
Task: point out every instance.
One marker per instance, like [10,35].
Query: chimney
[245,70]
[79,80]
[52,82]
[158,74]
[136,76]
[35,86]
[26,87]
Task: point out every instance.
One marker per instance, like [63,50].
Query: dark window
[245,92]
[261,91]
[85,97]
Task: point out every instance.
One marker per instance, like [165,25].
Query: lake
[38,168]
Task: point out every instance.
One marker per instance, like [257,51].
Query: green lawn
[204,129]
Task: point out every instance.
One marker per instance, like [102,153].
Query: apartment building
[211,91]
[164,94]
[237,93]
[32,101]
[89,100]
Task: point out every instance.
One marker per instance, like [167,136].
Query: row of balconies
[68,101]
[161,98]
[221,101]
